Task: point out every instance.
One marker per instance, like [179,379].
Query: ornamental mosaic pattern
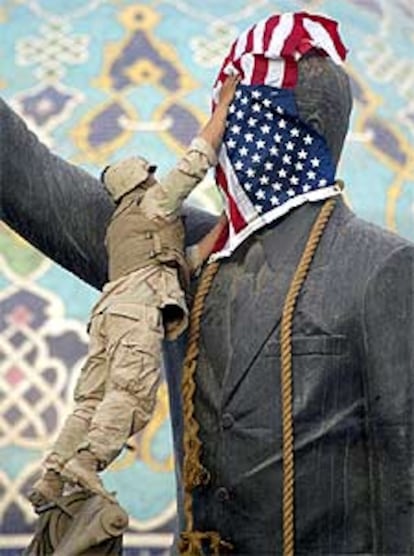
[107,78]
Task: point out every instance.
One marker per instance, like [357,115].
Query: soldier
[143,301]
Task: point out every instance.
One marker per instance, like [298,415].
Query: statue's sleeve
[58,207]
[388,325]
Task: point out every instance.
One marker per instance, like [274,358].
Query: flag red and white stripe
[268,52]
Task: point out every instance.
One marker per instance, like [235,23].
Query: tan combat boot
[82,470]
[50,485]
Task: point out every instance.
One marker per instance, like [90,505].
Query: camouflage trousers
[116,391]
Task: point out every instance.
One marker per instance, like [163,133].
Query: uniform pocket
[145,333]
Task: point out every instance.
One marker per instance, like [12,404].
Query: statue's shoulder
[370,239]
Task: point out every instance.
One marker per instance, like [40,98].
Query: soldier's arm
[166,197]
[198,253]
[214,129]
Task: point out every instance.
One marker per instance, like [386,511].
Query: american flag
[270,161]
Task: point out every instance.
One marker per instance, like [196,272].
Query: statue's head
[126,175]
[324,100]
[301,53]
[287,123]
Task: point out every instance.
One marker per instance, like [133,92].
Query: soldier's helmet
[124,176]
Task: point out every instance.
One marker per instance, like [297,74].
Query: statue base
[80,524]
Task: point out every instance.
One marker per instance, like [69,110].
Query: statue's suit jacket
[352,361]
[353,373]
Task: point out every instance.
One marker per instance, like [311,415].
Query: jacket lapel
[258,291]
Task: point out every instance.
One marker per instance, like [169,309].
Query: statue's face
[324,100]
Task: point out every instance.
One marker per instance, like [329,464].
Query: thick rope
[194,473]
[191,543]
[287,376]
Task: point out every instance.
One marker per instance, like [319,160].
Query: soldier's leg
[88,393]
[134,355]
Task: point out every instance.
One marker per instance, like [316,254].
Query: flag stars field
[273,156]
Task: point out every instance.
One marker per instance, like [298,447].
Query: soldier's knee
[137,394]
[85,409]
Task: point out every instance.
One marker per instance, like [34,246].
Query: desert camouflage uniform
[140,305]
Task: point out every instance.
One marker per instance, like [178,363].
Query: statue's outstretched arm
[59,208]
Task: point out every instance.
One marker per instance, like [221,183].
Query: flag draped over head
[271,161]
